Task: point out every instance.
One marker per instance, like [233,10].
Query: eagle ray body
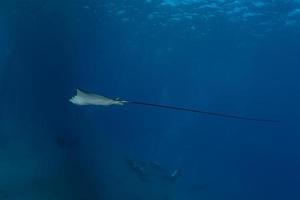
[84,98]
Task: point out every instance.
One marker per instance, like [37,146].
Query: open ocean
[232,57]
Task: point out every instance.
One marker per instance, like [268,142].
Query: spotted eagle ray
[85,98]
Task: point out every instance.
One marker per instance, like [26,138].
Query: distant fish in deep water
[139,169]
[84,98]
[149,171]
[198,188]
[174,175]
[66,141]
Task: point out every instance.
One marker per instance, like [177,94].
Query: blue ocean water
[229,56]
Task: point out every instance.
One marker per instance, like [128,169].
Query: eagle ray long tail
[202,112]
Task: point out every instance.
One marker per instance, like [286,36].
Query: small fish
[174,175]
[66,142]
[138,169]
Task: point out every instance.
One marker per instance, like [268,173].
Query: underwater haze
[239,57]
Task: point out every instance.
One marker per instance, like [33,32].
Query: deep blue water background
[51,48]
